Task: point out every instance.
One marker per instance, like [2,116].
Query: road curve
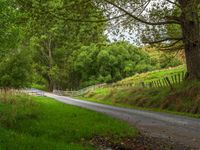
[184,130]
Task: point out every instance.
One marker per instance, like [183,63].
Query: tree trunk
[191,34]
[48,45]
[50,84]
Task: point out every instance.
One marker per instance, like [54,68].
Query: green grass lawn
[125,105]
[39,87]
[153,75]
[39,123]
[184,99]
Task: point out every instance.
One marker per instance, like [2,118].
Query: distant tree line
[61,44]
[112,62]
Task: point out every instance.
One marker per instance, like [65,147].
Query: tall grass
[15,106]
[153,75]
[184,97]
[30,123]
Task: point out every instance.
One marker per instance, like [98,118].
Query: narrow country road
[183,130]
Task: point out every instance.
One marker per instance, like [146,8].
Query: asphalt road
[183,130]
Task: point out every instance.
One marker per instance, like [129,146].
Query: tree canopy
[108,63]
[63,44]
[175,24]
[57,37]
[15,63]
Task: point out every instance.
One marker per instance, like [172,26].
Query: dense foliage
[62,45]
[168,24]
[15,70]
[108,63]
[41,123]
[111,62]
[15,61]
[55,37]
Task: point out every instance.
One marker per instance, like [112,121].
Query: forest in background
[42,48]
[146,51]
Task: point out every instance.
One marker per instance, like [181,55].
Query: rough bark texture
[50,65]
[191,34]
[50,85]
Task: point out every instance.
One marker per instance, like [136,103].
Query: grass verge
[183,100]
[29,123]
[152,75]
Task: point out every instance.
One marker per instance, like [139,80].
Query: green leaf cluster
[108,63]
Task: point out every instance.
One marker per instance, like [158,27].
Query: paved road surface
[180,129]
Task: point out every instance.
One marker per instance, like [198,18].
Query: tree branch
[94,21]
[141,20]
[173,18]
[171,45]
[103,20]
[174,3]
[163,40]
[173,48]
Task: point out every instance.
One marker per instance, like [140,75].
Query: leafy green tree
[9,30]
[156,21]
[15,63]
[16,70]
[169,60]
[107,63]
[54,36]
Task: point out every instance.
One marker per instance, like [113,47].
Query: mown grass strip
[43,123]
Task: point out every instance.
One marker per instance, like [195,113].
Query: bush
[108,63]
[167,61]
[15,70]
[17,106]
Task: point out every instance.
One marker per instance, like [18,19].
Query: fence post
[173,79]
[179,78]
[160,83]
[164,82]
[183,75]
[168,81]
[154,84]
[157,83]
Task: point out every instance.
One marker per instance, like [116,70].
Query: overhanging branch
[92,21]
[171,45]
[141,20]
[179,47]
[144,7]
[164,40]
[174,3]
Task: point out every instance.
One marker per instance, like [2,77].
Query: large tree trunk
[50,84]
[48,53]
[191,34]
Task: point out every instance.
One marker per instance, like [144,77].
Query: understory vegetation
[153,75]
[112,62]
[68,45]
[184,97]
[49,51]
[29,123]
